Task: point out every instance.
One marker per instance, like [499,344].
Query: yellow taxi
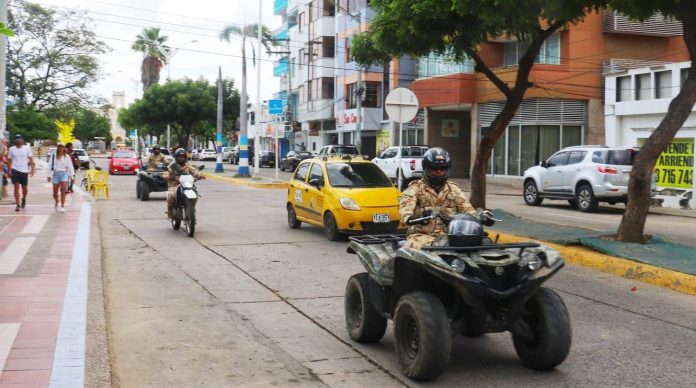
[344,195]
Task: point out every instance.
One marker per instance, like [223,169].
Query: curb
[246,182]
[625,268]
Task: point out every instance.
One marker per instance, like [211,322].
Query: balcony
[324,26]
[656,25]
[281,35]
[279,6]
[280,68]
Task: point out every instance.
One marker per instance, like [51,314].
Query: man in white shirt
[21,164]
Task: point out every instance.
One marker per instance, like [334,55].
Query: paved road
[249,302]
[606,218]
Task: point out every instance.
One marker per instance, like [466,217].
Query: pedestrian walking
[60,173]
[20,161]
[75,162]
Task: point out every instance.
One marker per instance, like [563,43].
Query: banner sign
[383,141]
[675,166]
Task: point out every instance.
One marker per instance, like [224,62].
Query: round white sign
[401,105]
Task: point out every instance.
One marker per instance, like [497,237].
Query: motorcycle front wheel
[190,211]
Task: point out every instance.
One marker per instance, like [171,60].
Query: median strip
[250,182]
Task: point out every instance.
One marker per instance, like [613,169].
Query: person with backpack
[60,173]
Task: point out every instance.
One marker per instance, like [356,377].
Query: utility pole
[3,70]
[218,165]
[243,170]
[259,109]
[359,91]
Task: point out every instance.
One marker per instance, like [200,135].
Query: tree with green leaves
[31,124]
[246,33]
[90,124]
[53,57]
[458,27]
[633,221]
[155,50]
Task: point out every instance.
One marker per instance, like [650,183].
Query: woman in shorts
[60,172]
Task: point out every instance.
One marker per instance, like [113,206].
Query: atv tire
[423,336]
[549,322]
[363,322]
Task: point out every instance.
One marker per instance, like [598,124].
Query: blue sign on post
[275,107]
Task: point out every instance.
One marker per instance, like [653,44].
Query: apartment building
[565,107]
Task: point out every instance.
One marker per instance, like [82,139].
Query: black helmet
[180,156]
[436,166]
[155,149]
[464,230]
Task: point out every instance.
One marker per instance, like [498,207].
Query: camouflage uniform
[419,197]
[154,160]
[176,170]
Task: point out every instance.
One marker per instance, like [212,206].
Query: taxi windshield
[356,175]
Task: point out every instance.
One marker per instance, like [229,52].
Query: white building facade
[636,101]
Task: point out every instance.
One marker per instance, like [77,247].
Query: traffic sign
[275,107]
[401,105]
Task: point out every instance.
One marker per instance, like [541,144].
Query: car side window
[576,157]
[301,173]
[316,172]
[390,153]
[560,159]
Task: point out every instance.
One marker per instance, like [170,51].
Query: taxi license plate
[380,218]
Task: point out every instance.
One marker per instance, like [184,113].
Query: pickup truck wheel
[586,199]
[531,194]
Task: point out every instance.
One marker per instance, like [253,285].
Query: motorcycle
[464,283]
[150,181]
[184,209]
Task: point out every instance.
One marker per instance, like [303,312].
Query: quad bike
[150,181]
[184,209]
[464,283]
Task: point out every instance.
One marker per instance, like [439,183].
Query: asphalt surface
[250,302]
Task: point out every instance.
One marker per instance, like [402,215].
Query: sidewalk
[43,289]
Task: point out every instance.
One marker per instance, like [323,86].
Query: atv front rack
[371,239]
[483,247]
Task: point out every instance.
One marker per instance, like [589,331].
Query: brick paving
[32,296]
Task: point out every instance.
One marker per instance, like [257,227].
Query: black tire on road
[137,189]
[363,322]
[547,317]
[293,222]
[144,191]
[190,217]
[531,194]
[423,335]
[331,228]
[586,199]
[176,224]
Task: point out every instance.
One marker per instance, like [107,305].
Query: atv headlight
[531,260]
[349,203]
[552,257]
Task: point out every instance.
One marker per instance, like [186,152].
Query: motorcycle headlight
[531,260]
[349,203]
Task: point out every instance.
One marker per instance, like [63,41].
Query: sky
[117,22]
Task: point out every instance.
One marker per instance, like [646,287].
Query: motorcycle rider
[431,193]
[156,157]
[176,169]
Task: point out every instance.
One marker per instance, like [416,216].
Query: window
[316,172]
[320,89]
[373,93]
[571,135]
[576,157]
[323,47]
[513,149]
[301,21]
[302,57]
[643,87]
[301,173]
[683,75]
[301,93]
[560,159]
[623,88]
[549,53]
[437,64]
[356,175]
[347,45]
[313,9]
[663,84]
[390,153]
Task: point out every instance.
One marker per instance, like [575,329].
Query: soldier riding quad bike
[464,282]
[150,181]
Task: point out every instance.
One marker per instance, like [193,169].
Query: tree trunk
[633,221]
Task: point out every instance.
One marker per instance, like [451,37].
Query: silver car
[582,175]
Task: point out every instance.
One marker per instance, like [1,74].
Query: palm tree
[247,32]
[155,53]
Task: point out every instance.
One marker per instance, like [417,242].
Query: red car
[123,162]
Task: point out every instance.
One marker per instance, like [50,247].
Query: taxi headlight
[349,203]
[531,260]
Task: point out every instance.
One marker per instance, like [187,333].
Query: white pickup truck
[410,168]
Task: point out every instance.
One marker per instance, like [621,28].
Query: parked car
[194,154]
[83,157]
[410,168]
[123,161]
[207,154]
[51,151]
[234,155]
[337,149]
[292,159]
[226,153]
[582,175]
[266,158]
[344,196]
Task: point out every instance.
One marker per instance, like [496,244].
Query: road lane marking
[8,333]
[36,223]
[578,218]
[14,254]
[69,359]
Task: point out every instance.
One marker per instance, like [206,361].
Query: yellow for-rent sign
[675,166]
